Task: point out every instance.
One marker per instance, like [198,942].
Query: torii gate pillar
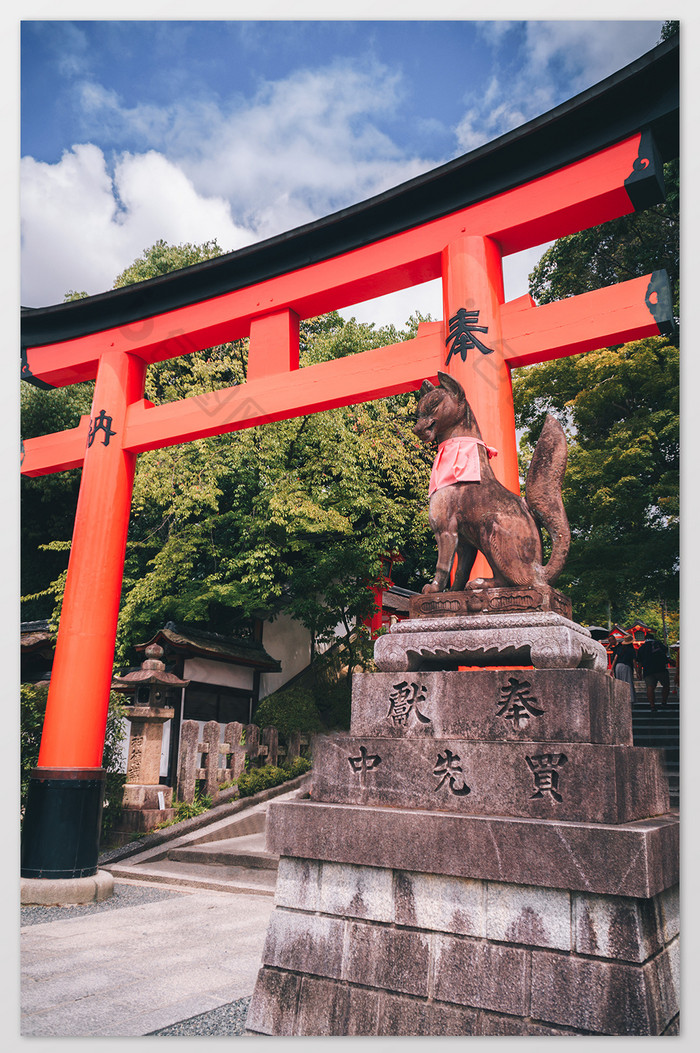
[472,280]
[64,807]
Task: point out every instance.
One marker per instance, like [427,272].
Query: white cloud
[555,61]
[81,228]
[302,149]
[588,51]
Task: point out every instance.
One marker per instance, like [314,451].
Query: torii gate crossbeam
[608,171]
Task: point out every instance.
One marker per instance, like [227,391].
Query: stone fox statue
[481,514]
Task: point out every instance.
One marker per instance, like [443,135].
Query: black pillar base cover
[61,829]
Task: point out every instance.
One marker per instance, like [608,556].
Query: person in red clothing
[653,658]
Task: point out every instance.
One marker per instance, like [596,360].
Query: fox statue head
[443,411]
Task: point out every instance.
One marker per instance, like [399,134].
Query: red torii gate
[594,159]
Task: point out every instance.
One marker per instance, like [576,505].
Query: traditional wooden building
[223,675]
[37,644]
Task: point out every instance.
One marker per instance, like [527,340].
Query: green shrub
[252,782]
[289,709]
[184,810]
[298,766]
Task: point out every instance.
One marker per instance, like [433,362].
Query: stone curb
[213,815]
[55,892]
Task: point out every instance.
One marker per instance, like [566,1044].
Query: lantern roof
[152,671]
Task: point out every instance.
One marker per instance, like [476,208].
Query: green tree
[293,516]
[620,407]
[48,502]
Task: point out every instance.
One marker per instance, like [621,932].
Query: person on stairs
[622,667]
[653,658]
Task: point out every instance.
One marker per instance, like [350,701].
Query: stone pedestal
[141,808]
[544,640]
[485,853]
[484,599]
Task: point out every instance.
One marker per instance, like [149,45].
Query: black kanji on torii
[462,328]
[101,423]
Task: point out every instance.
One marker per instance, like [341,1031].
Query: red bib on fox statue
[457,461]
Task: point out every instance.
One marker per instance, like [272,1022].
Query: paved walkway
[144,960]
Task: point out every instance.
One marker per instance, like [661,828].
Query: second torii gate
[594,159]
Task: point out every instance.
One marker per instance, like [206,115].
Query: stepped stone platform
[484,853]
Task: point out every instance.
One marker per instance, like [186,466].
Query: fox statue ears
[448,383]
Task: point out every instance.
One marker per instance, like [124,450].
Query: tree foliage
[48,502]
[291,516]
[620,407]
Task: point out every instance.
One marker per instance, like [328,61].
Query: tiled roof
[210,645]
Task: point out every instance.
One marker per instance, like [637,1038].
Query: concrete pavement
[126,967]
[181,936]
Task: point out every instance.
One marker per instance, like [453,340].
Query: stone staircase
[661,729]
[228,855]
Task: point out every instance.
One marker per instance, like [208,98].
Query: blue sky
[238,130]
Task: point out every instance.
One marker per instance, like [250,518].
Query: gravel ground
[226,1020]
[125,895]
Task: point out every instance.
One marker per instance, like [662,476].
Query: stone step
[218,877]
[247,850]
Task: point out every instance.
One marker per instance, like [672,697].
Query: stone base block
[542,640]
[362,950]
[480,599]
[544,780]
[140,795]
[63,892]
[566,705]
[637,859]
[142,820]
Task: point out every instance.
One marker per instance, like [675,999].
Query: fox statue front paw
[432,586]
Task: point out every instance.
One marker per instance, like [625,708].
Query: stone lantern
[150,691]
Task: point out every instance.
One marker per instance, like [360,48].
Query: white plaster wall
[210,672]
[290,643]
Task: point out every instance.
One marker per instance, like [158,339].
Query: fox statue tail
[543,493]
